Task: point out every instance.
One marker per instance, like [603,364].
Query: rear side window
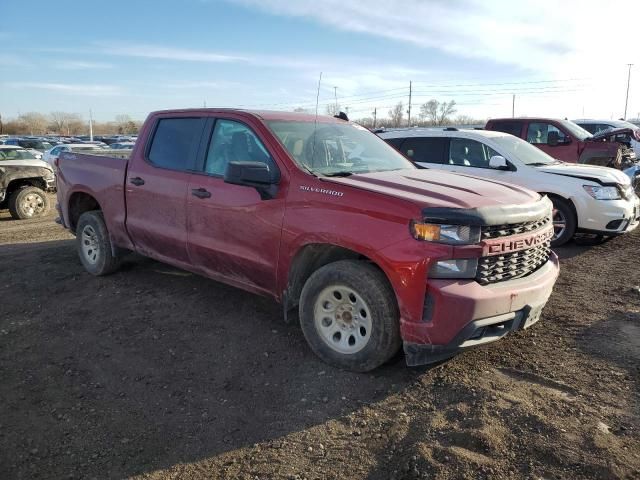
[512,128]
[394,142]
[174,142]
[425,149]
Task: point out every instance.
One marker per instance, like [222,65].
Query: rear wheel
[94,245]
[349,315]
[28,202]
[564,222]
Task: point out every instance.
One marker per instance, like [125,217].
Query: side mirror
[253,174]
[498,162]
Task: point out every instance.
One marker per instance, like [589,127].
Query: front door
[156,190]
[234,234]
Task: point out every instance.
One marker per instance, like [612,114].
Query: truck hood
[634,133]
[592,173]
[25,163]
[426,187]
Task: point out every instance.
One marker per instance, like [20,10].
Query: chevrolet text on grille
[514,245]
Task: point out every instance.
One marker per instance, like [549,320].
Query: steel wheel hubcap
[90,247]
[33,204]
[343,319]
[559,223]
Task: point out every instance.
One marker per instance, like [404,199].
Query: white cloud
[82,65]
[529,34]
[71,89]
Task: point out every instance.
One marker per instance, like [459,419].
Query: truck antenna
[315,124]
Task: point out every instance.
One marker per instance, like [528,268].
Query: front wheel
[94,245]
[564,222]
[28,202]
[349,315]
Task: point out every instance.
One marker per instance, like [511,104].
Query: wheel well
[567,200]
[80,203]
[25,182]
[309,259]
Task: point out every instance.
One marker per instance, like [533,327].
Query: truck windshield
[575,130]
[337,149]
[511,146]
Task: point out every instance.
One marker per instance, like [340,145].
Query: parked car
[630,135]
[51,155]
[24,180]
[122,146]
[30,143]
[586,198]
[326,218]
[566,141]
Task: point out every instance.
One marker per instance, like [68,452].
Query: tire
[94,245]
[563,214]
[349,315]
[28,202]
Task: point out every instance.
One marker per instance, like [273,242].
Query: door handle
[200,193]
[137,181]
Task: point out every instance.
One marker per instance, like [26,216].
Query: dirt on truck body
[157,373]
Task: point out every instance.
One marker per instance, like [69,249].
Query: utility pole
[90,126]
[375,116]
[409,110]
[626,100]
[513,106]
[335,95]
[204,103]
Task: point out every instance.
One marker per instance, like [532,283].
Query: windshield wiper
[541,164]
[342,173]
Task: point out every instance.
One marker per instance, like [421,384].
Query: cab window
[538,133]
[234,142]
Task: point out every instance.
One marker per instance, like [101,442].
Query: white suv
[586,199]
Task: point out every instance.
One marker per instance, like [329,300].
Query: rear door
[234,233]
[156,188]
[538,135]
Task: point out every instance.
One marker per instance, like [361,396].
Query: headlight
[450,234]
[463,268]
[603,193]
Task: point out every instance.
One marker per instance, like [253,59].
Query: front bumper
[462,313]
[608,217]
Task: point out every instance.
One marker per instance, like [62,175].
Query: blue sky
[137,56]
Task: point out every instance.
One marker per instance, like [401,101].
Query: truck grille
[497,231]
[499,268]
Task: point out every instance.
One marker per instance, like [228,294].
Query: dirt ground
[156,373]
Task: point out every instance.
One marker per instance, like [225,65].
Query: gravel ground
[157,373]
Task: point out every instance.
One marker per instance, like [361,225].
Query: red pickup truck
[327,219]
[566,141]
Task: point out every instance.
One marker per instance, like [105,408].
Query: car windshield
[511,146]
[337,149]
[575,129]
[16,154]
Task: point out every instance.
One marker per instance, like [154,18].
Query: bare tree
[429,112]
[65,123]
[396,114]
[300,110]
[34,122]
[445,109]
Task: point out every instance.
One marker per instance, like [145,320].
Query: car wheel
[28,202]
[564,222]
[94,245]
[349,315]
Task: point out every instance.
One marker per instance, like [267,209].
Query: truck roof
[261,114]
